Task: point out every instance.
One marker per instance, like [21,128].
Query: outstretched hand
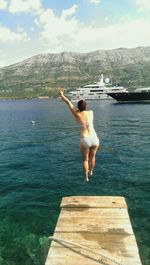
[67,101]
[61,92]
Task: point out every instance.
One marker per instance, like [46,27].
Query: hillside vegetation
[40,75]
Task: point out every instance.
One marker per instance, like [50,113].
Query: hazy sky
[30,27]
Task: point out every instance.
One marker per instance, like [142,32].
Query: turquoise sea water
[40,163]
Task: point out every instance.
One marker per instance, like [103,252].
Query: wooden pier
[93,230]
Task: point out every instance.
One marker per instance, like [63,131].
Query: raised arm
[68,102]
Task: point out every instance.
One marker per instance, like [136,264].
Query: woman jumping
[89,141]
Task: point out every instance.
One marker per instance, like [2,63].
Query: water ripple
[41,163]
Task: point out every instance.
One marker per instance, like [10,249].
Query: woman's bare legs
[92,154]
[85,160]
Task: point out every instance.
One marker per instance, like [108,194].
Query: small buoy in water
[33,122]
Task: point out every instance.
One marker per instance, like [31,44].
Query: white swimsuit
[91,139]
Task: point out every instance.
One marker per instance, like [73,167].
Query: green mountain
[40,75]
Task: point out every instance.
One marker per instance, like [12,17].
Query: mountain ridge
[41,74]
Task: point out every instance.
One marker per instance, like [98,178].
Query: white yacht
[95,91]
[139,95]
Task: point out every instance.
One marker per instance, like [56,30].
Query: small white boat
[32,122]
[96,91]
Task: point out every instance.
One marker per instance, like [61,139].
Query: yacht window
[115,89]
[97,90]
[89,86]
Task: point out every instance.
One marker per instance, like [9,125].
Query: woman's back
[85,119]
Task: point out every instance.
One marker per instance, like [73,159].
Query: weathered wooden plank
[70,250]
[75,260]
[68,256]
[79,261]
[94,202]
[112,226]
[110,242]
[105,213]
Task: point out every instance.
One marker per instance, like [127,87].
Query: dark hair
[82,105]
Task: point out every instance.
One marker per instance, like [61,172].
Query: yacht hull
[128,97]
